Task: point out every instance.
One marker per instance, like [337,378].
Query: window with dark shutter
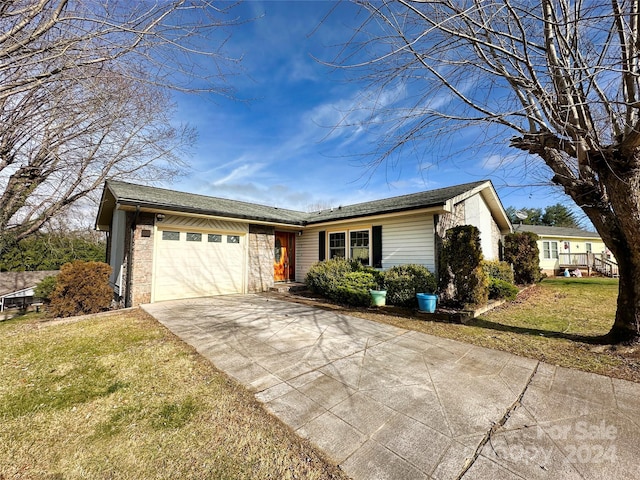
[321,245]
[376,234]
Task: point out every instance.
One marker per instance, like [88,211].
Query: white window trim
[346,242]
[550,250]
[368,230]
[347,236]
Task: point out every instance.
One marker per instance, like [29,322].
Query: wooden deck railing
[576,259]
[589,261]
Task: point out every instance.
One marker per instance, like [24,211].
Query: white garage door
[194,264]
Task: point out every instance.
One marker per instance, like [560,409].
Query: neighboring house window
[337,245]
[194,237]
[359,246]
[588,247]
[214,238]
[233,238]
[550,249]
[169,235]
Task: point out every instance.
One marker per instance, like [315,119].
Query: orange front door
[284,259]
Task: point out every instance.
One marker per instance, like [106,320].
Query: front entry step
[288,287]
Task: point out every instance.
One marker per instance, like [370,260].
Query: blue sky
[278,143]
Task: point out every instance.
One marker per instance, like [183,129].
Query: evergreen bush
[353,289]
[343,281]
[461,275]
[500,289]
[498,269]
[521,250]
[323,275]
[81,288]
[404,281]
[44,290]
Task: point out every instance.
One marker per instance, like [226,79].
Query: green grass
[559,321]
[119,397]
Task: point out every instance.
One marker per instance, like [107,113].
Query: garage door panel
[187,269]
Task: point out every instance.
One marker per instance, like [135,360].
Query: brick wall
[142,257]
[261,245]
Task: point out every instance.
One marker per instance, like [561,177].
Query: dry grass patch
[119,397]
[558,321]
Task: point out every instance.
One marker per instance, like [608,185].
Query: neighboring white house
[16,288]
[571,248]
[164,244]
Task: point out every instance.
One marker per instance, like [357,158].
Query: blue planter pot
[427,302]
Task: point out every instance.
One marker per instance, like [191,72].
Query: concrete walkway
[384,402]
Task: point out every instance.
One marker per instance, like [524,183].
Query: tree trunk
[613,206]
[626,327]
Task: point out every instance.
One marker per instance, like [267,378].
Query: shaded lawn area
[557,321]
[119,397]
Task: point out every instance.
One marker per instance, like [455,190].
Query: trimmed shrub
[521,250]
[353,289]
[44,290]
[82,287]
[343,281]
[322,275]
[499,289]
[404,281]
[461,276]
[498,269]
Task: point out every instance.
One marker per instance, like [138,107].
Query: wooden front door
[284,257]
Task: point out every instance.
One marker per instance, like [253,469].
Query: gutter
[156,207]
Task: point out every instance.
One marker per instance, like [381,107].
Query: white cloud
[247,170]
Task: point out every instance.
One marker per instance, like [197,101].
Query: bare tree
[85,95]
[562,76]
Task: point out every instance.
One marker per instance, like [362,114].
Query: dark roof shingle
[171,200]
[131,194]
[555,231]
[15,281]
[412,201]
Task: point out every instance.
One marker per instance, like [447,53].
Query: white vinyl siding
[306,251]
[405,239]
[408,240]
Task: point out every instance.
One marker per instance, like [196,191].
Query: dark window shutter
[321,245]
[376,233]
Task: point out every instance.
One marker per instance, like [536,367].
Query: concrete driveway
[384,402]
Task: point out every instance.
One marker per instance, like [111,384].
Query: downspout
[437,245]
[132,231]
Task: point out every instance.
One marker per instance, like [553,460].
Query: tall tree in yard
[85,95]
[563,77]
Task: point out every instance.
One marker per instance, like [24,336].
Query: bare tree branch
[562,76]
[85,95]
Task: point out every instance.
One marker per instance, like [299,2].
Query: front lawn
[557,321]
[119,397]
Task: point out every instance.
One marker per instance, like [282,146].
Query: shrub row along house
[164,244]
